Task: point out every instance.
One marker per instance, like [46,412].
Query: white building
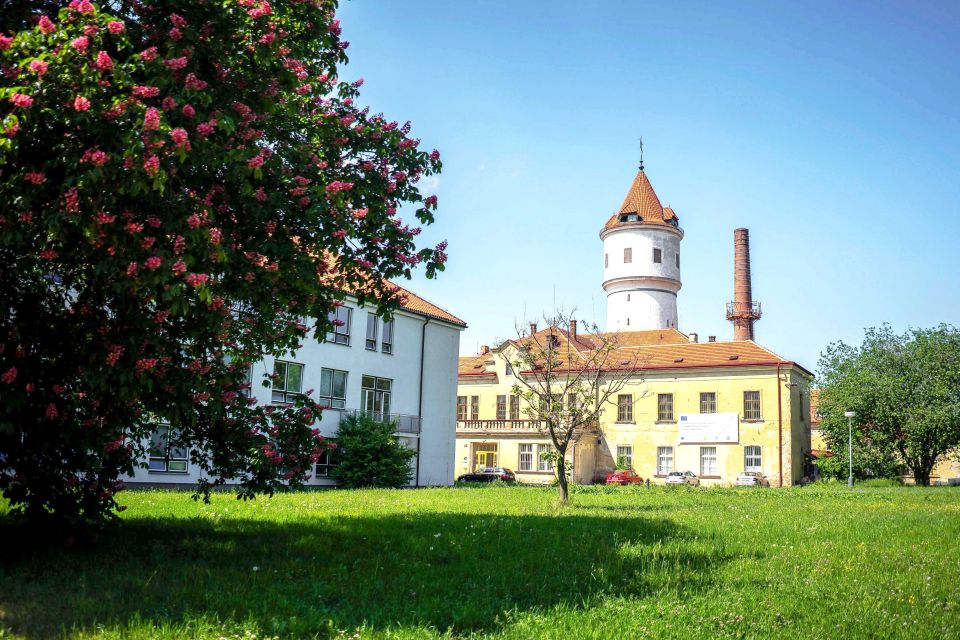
[404,370]
[641,261]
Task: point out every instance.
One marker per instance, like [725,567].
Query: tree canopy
[183,183]
[905,390]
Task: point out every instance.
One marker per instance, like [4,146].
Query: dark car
[490,474]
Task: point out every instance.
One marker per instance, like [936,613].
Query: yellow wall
[645,434]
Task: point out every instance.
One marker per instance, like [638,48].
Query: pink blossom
[132,269]
[51,412]
[46,25]
[142,91]
[95,157]
[435,155]
[196,279]
[178,267]
[80,44]
[149,54]
[359,214]
[72,200]
[114,356]
[104,63]
[206,128]
[168,103]
[83,6]
[188,111]
[255,162]
[179,136]
[151,165]
[177,20]
[39,67]
[91,30]
[215,235]
[151,119]
[430,201]
[337,185]
[5,42]
[260,195]
[175,34]
[35,177]
[194,83]
[9,376]
[146,364]
[153,262]
[103,217]
[176,63]
[81,104]
[21,100]
[115,27]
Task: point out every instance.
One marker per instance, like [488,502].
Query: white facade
[641,293]
[420,371]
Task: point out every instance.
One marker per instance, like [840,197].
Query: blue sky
[830,130]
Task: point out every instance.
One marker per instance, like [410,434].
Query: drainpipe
[423,346]
[779,426]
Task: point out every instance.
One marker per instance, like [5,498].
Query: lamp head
[850,414]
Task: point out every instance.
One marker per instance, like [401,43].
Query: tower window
[678,261]
[629,217]
[606,260]
[627,255]
[657,256]
[628,297]
[628,322]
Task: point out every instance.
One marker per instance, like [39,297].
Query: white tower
[641,261]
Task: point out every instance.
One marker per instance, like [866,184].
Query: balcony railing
[405,423]
[500,425]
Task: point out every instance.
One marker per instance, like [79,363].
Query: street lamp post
[850,415]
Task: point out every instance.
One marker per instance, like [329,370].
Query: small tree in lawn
[369,454]
[175,179]
[905,390]
[567,380]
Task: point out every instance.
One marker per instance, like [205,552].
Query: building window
[287,381]
[526,458]
[664,460]
[340,319]
[514,407]
[507,369]
[544,462]
[628,297]
[474,407]
[658,255]
[372,322]
[375,396]
[333,388]
[664,407]
[501,407]
[625,407]
[678,261]
[572,405]
[461,408]
[708,402]
[624,457]
[386,340]
[606,260]
[246,390]
[163,456]
[751,458]
[751,405]
[627,255]
[325,464]
[708,461]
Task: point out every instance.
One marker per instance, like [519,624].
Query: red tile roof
[642,200]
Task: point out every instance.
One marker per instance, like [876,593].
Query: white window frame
[386,336]
[285,394]
[373,326]
[714,394]
[756,452]
[324,464]
[544,464]
[329,394]
[660,414]
[373,396]
[625,451]
[501,407]
[625,408]
[341,334]
[183,455]
[759,401]
[664,460]
[474,407]
[513,407]
[461,404]
[525,453]
[708,461]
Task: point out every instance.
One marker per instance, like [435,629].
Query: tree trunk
[921,474]
[562,482]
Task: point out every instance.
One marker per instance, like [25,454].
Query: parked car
[624,476]
[489,474]
[752,479]
[683,477]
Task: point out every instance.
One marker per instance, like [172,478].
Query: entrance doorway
[484,456]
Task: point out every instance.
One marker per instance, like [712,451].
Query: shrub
[368,454]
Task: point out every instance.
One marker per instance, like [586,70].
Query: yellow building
[714,408]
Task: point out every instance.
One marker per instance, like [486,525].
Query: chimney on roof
[694,337]
[711,338]
[743,311]
[484,350]
[573,329]
[533,328]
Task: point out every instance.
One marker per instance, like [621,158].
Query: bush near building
[369,454]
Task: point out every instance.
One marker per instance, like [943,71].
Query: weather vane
[641,153]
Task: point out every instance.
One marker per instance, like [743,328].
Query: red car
[624,476]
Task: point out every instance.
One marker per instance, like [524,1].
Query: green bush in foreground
[368,454]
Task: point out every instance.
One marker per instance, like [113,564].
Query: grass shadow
[301,577]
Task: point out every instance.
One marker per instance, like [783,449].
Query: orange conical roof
[642,200]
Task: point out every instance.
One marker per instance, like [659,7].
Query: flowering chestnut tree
[185,185]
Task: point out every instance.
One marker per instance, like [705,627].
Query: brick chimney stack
[573,329]
[743,311]
[533,328]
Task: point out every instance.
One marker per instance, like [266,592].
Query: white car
[683,477]
[752,479]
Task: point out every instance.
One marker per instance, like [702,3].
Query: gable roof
[409,301]
[642,200]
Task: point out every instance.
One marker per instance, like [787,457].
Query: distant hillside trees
[905,389]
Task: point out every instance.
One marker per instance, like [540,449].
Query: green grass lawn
[502,562]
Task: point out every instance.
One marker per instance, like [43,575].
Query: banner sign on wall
[709,427]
